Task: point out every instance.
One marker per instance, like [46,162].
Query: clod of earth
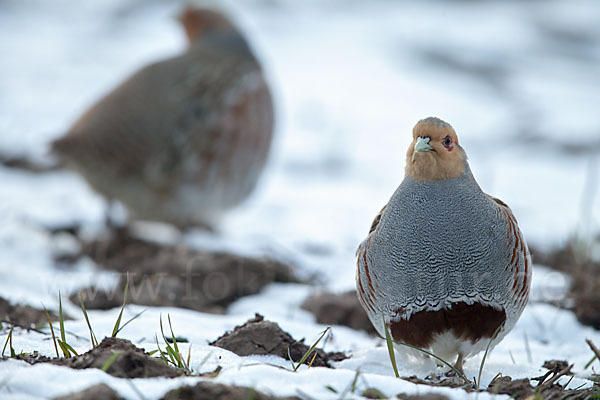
[517,389]
[554,368]
[26,163]
[452,382]
[547,387]
[131,362]
[169,276]
[426,396]
[563,259]
[339,309]
[31,358]
[373,393]
[521,389]
[585,290]
[96,392]
[23,316]
[261,337]
[210,391]
[585,274]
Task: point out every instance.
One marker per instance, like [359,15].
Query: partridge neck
[231,41]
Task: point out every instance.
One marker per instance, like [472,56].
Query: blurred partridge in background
[445,265]
[184,139]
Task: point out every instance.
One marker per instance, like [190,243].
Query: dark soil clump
[96,392]
[131,362]
[171,276]
[261,337]
[339,309]
[520,389]
[427,396]
[33,358]
[517,389]
[587,308]
[23,316]
[564,259]
[585,291]
[445,382]
[585,274]
[210,391]
[373,393]
[547,387]
[26,163]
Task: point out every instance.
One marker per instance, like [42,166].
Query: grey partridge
[184,139]
[445,266]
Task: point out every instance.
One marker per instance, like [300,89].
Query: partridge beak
[422,145]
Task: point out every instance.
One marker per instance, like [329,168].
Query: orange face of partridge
[434,153]
[198,22]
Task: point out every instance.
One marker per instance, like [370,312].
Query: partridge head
[184,139]
[434,153]
[444,266]
[199,23]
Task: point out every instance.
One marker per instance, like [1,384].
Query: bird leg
[459,363]
[112,221]
[109,223]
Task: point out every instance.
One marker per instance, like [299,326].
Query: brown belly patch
[469,322]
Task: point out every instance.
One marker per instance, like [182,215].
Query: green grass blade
[71,349]
[64,348]
[136,316]
[61,319]
[10,345]
[180,360]
[118,322]
[51,330]
[355,381]
[487,349]
[173,352]
[109,362]
[291,359]
[189,357]
[170,351]
[312,360]
[173,335]
[589,363]
[594,350]
[87,320]
[9,338]
[390,347]
[173,356]
[311,349]
[162,355]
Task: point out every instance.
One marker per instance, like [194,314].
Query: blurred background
[518,80]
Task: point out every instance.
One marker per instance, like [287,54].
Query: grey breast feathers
[439,243]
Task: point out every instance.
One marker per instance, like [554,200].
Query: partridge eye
[447,142]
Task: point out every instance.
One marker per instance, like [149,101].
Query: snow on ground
[518,81]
